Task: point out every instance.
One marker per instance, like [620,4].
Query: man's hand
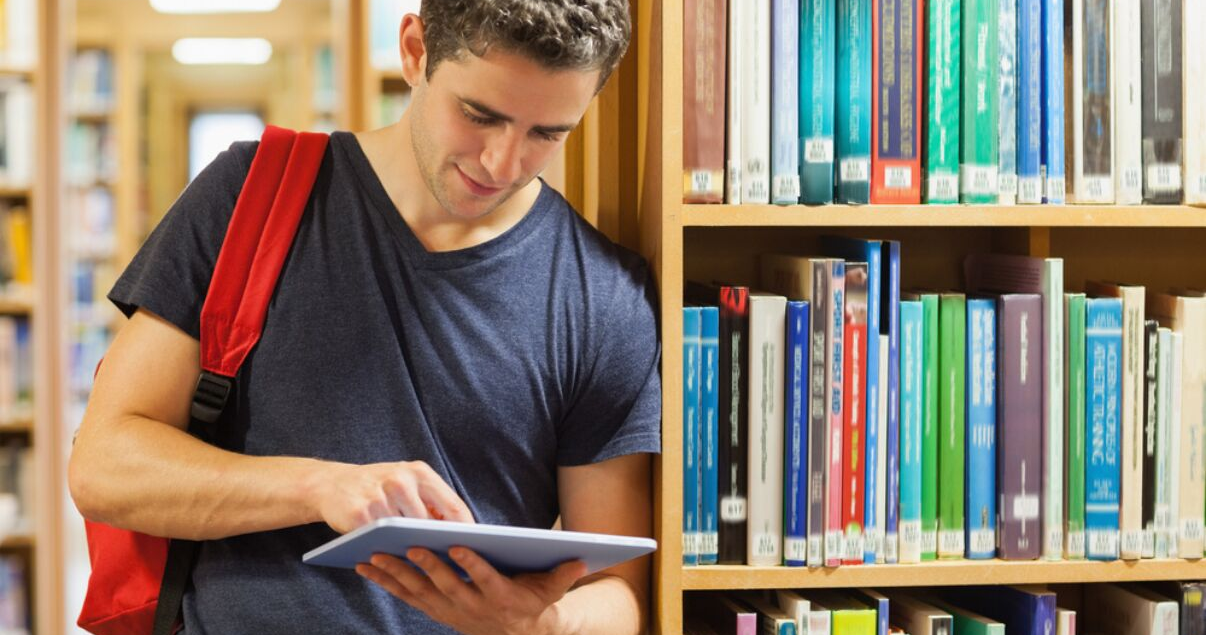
[492,604]
[348,496]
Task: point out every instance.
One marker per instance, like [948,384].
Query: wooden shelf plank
[14,192]
[18,541]
[954,573]
[942,216]
[17,425]
[25,73]
[15,306]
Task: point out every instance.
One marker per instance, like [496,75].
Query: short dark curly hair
[558,34]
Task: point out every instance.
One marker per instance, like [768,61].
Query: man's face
[484,127]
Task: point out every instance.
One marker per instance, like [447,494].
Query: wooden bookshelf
[10,192]
[1155,245]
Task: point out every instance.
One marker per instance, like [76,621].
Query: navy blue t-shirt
[494,364]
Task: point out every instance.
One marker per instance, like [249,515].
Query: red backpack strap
[257,241]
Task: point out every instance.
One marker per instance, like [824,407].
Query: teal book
[853,135]
[952,423]
[929,423]
[941,160]
[978,159]
[912,346]
[817,49]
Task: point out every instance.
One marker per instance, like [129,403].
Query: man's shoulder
[596,249]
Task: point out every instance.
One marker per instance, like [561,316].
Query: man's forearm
[151,477]
[607,605]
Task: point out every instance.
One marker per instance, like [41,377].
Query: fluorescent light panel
[196,50]
[214,6]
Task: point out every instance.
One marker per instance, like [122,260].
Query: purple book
[1020,425]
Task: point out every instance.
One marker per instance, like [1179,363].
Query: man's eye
[477,119]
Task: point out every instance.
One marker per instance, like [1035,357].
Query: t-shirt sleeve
[169,276]
[619,410]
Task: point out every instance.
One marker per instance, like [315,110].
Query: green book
[941,163]
[952,370]
[1074,415]
[965,622]
[848,616]
[929,423]
[978,157]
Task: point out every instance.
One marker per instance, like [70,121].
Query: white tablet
[511,550]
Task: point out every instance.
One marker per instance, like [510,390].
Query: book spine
[1094,178]
[896,154]
[1103,361]
[1176,372]
[796,403]
[942,102]
[703,100]
[1130,522]
[709,409]
[755,108]
[1161,41]
[1007,101]
[818,411]
[1019,426]
[1052,280]
[817,96]
[1030,110]
[1126,55]
[929,431]
[878,553]
[734,423]
[692,373]
[1164,444]
[733,96]
[1194,110]
[952,363]
[1053,101]
[979,154]
[1074,411]
[891,315]
[854,452]
[981,429]
[873,520]
[1193,401]
[785,104]
[765,443]
[853,101]
[834,336]
[912,347]
[1150,435]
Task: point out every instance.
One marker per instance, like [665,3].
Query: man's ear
[412,50]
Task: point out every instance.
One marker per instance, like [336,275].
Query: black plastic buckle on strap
[209,399]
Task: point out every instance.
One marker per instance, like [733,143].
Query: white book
[768,327]
[1176,378]
[881,471]
[21,48]
[1065,622]
[1124,609]
[755,101]
[1194,47]
[796,606]
[732,148]
[18,120]
[1127,62]
[1164,443]
[1053,408]
[1092,103]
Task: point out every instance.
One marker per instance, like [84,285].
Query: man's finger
[445,579]
[407,501]
[444,499]
[493,585]
[387,582]
[433,601]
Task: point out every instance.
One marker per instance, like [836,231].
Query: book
[896,102]
[965,622]
[981,428]
[1019,425]
[785,104]
[765,442]
[1030,102]
[755,54]
[1164,535]
[1176,381]
[929,423]
[853,82]
[772,620]
[1052,169]
[850,616]
[854,408]
[1162,93]
[734,86]
[795,606]
[834,548]
[1126,66]
[877,552]
[978,151]
[703,100]
[891,316]
[1007,101]
[877,601]
[709,428]
[1065,622]
[818,22]
[917,617]
[721,612]
[1092,103]
[796,400]
[952,423]
[1150,434]
[691,399]
[912,347]
[941,159]
[1074,414]
[1188,596]
[1193,14]
[1120,609]
[1103,361]
[1024,610]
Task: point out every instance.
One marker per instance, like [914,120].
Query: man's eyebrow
[494,114]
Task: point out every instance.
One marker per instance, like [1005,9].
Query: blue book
[691,377]
[1023,610]
[1007,101]
[795,406]
[853,101]
[785,102]
[709,408]
[1053,101]
[869,251]
[1030,110]
[981,489]
[817,48]
[890,315]
[1103,391]
[912,337]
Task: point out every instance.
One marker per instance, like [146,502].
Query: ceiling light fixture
[197,50]
[214,6]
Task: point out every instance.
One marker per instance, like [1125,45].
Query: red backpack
[138,581]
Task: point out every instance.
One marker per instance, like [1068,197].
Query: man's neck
[391,155]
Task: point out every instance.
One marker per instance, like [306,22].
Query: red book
[896,84]
[854,407]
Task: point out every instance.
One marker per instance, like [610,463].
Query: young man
[448,339]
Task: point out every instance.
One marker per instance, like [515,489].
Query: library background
[934,334]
